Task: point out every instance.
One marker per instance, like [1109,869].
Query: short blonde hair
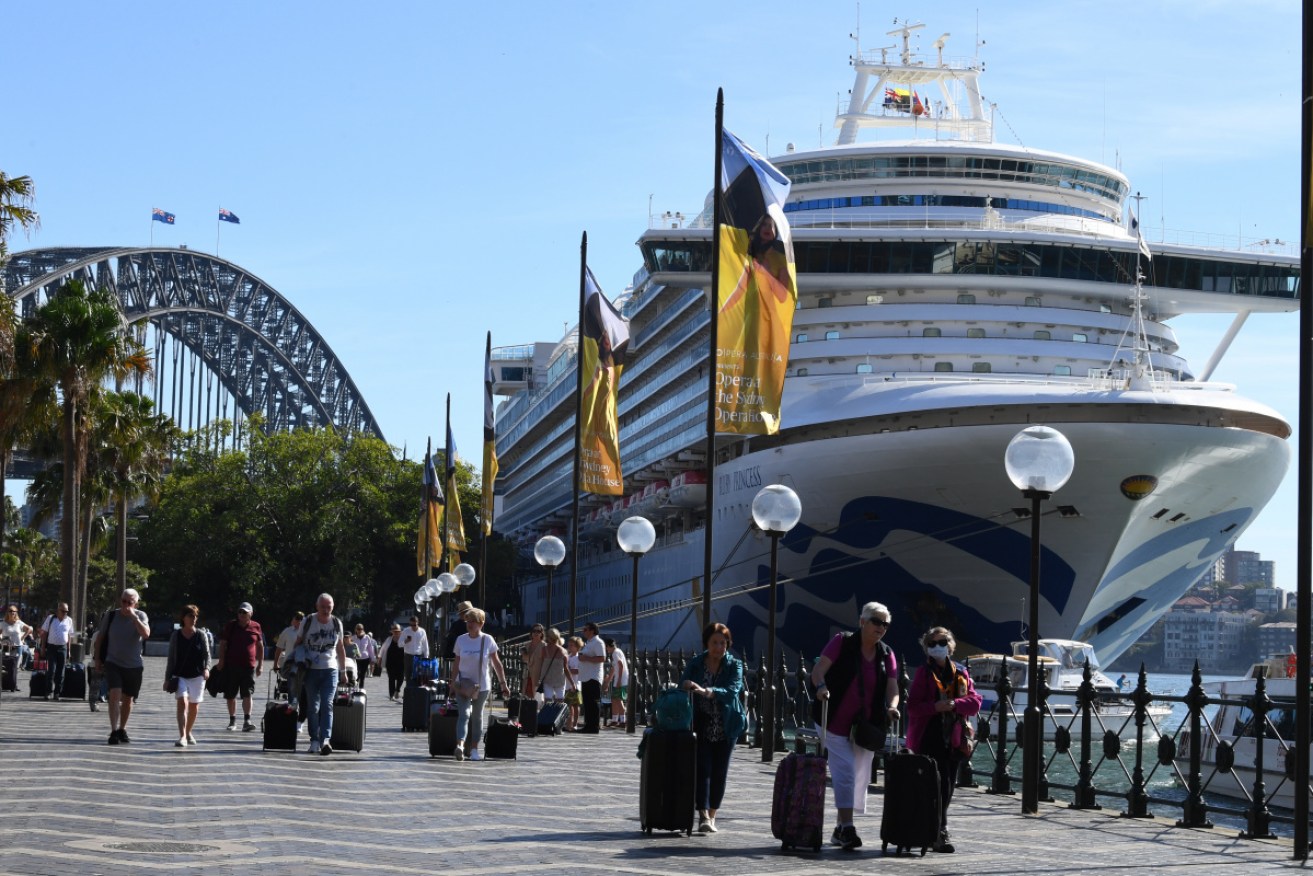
[553,635]
[475,614]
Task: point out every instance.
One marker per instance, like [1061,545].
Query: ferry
[953,290]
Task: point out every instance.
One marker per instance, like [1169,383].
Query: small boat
[653,497]
[689,489]
[1063,663]
[1230,742]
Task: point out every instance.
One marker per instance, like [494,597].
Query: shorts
[553,694]
[620,693]
[238,680]
[191,689]
[120,678]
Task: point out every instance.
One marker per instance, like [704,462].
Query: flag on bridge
[158,215]
[429,550]
[228,216]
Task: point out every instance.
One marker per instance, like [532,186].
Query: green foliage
[103,589]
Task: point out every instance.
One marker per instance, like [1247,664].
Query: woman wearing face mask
[940,703]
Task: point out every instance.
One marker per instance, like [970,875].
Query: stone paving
[78,806]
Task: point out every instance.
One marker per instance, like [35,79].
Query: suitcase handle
[825,725]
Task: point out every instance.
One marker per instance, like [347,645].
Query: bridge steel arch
[263,351]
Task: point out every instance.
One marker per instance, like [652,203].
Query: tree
[74,341]
[16,196]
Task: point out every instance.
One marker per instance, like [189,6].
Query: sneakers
[704,826]
[476,755]
[113,737]
[849,838]
[943,845]
[711,825]
[247,727]
[232,724]
[123,736]
[191,740]
[459,753]
[181,743]
[325,749]
[314,747]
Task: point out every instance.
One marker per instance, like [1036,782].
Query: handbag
[967,746]
[865,733]
[574,697]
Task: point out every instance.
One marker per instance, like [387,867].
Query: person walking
[186,670]
[323,636]
[617,683]
[456,630]
[556,674]
[591,659]
[715,680]
[56,633]
[392,656]
[13,636]
[940,705]
[575,697]
[368,654]
[241,660]
[118,656]
[531,658]
[285,644]
[415,643]
[471,678]
[858,675]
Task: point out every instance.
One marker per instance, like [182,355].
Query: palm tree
[16,194]
[74,341]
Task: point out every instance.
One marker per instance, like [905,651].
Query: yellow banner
[756,297]
[455,524]
[604,342]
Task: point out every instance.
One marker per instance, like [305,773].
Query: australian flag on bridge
[228,216]
[158,215]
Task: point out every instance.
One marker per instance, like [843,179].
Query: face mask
[939,652]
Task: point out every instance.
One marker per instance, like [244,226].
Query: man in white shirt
[56,633]
[591,660]
[617,683]
[414,643]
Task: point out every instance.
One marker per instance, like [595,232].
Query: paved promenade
[77,806]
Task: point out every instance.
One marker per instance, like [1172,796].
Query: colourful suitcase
[797,814]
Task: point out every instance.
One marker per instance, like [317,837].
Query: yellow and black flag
[490,467]
[756,291]
[428,552]
[603,344]
[455,526]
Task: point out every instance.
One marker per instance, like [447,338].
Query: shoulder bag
[866,733]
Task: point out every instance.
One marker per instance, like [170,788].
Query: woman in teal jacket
[715,679]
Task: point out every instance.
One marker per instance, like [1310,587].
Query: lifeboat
[689,489]
[654,496]
[615,512]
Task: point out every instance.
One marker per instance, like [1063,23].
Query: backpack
[674,710]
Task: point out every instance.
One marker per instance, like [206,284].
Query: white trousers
[850,772]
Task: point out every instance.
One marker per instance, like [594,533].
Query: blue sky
[413,174]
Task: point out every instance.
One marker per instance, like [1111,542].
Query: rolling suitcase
[416,703]
[524,710]
[279,726]
[797,812]
[442,731]
[911,803]
[9,674]
[551,718]
[348,721]
[38,684]
[502,740]
[667,780]
[75,682]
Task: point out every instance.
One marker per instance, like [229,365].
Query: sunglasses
[942,643]
[882,624]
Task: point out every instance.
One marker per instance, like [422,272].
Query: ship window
[943,366]
[975,333]
[513,375]
[930,333]
[1042,335]
[864,368]
[1062,370]
[1079,337]
[1032,301]
[966,298]
[832,336]
[800,338]
[825,302]
[981,367]
[1103,308]
[802,372]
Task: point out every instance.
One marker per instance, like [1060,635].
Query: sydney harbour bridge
[225,344]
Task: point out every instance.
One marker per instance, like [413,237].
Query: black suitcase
[416,703]
[349,721]
[280,726]
[524,710]
[9,673]
[666,782]
[75,682]
[502,740]
[442,731]
[551,718]
[38,684]
[911,803]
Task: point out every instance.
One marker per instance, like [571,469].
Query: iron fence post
[1194,811]
[1084,798]
[1259,820]
[1001,782]
[1137,801]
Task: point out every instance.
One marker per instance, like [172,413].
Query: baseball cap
[246,607]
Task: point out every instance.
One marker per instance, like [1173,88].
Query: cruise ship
[952,291]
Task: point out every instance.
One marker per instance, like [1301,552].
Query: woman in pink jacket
[940,705]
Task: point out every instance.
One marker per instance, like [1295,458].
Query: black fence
[1142,762]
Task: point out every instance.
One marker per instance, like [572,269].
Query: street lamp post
[549,552]
[1039,461]
[636,535]
[776,510]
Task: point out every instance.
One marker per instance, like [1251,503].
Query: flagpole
[578,432]
[447,502]
[714,299]
[428,542]
[216,233]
